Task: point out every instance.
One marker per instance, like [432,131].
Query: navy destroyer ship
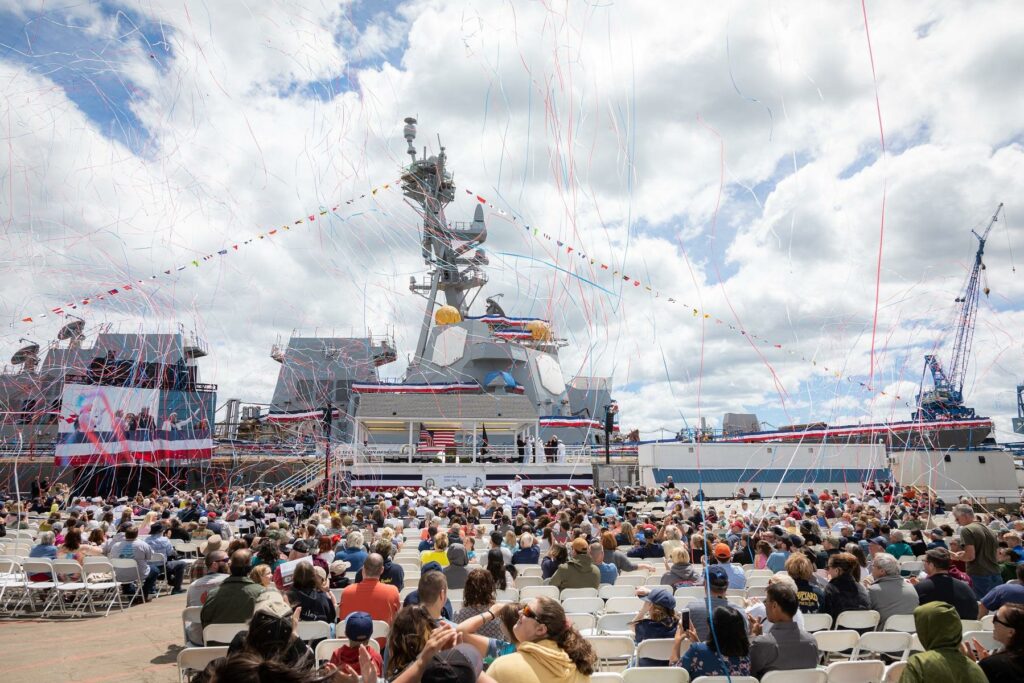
[483,386]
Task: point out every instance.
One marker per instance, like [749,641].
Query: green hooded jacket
[939,629]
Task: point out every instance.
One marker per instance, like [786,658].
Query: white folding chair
[985,638]
[835,643]
[758,581]
[615,624]
[12,581]
[605,677]
[527,569]
[613,652]
[968,625]
[658,649]
[757,573]
[381,629]
[757,593]
[893,643]
[865,671]
[326,648]
[817,622]
[160,560]
[523,582]
[127,567]
[313,630]
[222,633]
[656,674]
[98,573]
[632,581]
[607,592]
[70,583]
[584,623]
[893,672]
[588,605]
[725,679]
[901,622]
[531,592]
[568,593]
[795,676]
[190,615]
[507,595]
[45,589]
[988,622]
[859,619]
[195,659]
[688,593]
[623,605]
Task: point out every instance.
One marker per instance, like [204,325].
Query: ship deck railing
[403,454]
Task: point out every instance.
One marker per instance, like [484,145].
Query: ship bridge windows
[110,371]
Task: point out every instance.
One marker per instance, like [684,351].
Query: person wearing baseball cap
[717,585]
[358,628]
[579,571]
[656,618]
[460,664]
[722,555]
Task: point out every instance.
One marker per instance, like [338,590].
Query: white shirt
[757,611]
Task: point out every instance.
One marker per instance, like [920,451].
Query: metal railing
[467,454]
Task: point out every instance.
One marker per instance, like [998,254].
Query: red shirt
[379,600]
[347,654]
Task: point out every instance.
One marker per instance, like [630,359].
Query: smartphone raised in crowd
[684,616]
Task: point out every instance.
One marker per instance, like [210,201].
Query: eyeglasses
[528,613]
[997,620]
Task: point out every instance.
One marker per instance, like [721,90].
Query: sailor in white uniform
[560,451]
[538,451]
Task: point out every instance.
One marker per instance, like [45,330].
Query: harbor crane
[946,400]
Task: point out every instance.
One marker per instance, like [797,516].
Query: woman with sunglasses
[548,646]
[1007,664]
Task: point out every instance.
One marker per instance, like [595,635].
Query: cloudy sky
[731,158]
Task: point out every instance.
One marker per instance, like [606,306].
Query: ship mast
[427,183]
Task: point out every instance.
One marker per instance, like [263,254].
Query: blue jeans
[983,584]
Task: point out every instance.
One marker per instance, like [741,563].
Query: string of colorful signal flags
[535,232]
[697,313]
[197,262]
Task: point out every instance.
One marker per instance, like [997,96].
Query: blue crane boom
[946,400]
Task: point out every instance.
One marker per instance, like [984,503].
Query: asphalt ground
[140,644]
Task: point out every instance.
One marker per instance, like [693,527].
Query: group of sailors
[538,452]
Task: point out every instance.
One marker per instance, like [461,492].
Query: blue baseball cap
[359,626]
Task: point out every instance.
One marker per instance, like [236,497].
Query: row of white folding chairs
[52,581]
[307,630]
[840,672]
[905,622]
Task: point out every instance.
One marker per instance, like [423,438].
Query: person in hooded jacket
[456,571]
[681,572]
[940,633]
[548,647]
[580,571]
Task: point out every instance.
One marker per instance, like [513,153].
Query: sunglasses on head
[997,620]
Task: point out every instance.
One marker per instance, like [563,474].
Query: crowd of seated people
[732,585]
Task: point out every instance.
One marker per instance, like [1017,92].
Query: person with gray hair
[888,593]
[354,552]
[45,548]
[979,551]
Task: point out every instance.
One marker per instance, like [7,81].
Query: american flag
[436,440]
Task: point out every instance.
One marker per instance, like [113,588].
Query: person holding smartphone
[726,652]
